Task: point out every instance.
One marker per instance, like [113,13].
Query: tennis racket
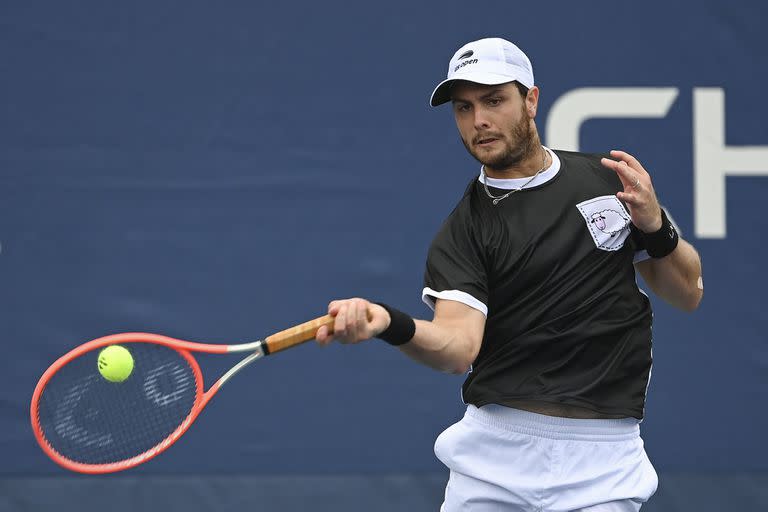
[89,424]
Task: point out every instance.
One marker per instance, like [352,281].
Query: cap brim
[442,93]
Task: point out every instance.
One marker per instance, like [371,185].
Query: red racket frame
[275,343]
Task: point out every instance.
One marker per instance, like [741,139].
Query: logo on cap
[465,63]
[466,55]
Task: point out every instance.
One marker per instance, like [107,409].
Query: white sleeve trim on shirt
[428,295]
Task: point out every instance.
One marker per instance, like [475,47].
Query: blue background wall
[218,171]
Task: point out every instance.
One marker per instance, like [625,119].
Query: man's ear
[532,101]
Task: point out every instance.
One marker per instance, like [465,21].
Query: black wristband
[663,241]
[401,327]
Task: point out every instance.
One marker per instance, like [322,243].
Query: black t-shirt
[552,268]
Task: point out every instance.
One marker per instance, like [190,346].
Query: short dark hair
[523,89]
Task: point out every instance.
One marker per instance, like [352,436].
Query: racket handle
[296,334]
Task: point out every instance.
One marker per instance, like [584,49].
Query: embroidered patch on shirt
[607,221]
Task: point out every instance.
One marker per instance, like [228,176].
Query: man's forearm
[449,343]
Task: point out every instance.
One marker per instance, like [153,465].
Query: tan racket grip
[297,334]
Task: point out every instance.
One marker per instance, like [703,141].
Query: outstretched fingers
[630,179]
[632,199]
[638,193]
[630,160]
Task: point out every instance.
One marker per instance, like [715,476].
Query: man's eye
[462,108]
[494,101]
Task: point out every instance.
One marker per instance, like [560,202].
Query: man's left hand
[638,191]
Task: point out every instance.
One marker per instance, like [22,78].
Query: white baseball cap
[490,61]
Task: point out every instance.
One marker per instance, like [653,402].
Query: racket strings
[90,420]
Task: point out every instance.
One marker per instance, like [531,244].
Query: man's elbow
[460,369]
[463,364]
[692,301]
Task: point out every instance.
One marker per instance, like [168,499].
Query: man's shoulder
[576,161]
[464,213]
[463,208]
[577,157]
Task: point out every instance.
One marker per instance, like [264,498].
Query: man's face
[495,122]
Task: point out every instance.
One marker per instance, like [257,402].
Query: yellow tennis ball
[115,363]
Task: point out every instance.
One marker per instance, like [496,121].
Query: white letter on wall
[575,107]
[713,161]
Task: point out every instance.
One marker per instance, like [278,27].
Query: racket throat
[259,351]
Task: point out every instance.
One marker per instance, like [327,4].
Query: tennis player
[532,282]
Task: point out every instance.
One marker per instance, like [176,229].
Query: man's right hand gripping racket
[100,411]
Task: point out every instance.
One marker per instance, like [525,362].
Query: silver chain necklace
[496,199]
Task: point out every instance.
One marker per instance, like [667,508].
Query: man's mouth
[485,141]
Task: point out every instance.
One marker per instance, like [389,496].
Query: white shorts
[504,459]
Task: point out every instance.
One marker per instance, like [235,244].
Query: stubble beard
[520,143]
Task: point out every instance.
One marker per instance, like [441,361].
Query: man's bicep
[647,271]
[675,278]
[466,319]
[645,268]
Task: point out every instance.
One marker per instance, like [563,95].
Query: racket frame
[260,348]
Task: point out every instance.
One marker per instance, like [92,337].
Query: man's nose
[481,119]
